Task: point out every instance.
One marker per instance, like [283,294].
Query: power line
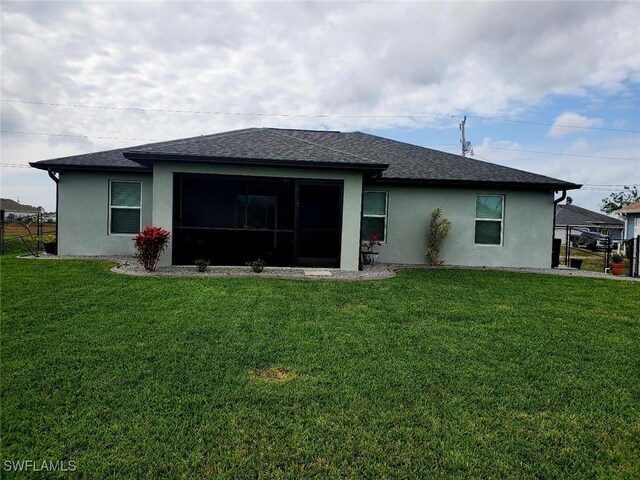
[535,151]
[159,140]
[319,115]
[498,119]
[609,184]
[558,153]
[80,136]
[215,112]
[585,186]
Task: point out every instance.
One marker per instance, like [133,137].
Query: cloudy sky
[89,76]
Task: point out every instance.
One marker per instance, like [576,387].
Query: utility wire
[498,119]
[477,146]
[558,153]
[215,112]
[321,115]
[609,184]
[535,151]
[585,186]
[80,136]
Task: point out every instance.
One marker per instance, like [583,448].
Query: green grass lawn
[12,244]
[591,261]
[432,374]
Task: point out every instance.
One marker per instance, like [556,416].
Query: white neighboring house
[631,215]
[12,210]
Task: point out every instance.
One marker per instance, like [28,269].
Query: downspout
[555,204]
[57,180]
[360,266]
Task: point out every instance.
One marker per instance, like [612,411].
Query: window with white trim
[489,219]
[125,207]
[374,215]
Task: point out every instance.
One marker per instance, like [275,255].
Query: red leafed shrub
[150,243]
[372,242]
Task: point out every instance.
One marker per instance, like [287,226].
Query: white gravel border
[379,271]
[374,272]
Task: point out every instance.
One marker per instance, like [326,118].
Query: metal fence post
[634,264]
[567,246]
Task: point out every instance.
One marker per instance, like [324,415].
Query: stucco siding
[527,230]
[352,193]
[527,227]
[83,213]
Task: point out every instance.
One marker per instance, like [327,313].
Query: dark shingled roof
[392,161]
[9,205]
[573,215]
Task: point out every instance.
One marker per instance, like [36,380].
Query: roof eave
[474,183]
[587,224]
[148,159]
[57,167]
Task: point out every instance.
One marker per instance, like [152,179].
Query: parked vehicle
[594,241]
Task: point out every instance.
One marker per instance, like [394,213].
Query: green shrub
[438,230]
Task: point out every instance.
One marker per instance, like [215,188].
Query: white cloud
[338,58]
[493,59]
[580,145]
[564,124]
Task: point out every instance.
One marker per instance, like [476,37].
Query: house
[573,220]
[301,198]
[12,210]
[631,214]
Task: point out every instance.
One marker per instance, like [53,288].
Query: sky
[551,88]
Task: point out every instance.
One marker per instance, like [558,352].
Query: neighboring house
[577,220]
[49,217]
[301,198]
[631,214]
[12,210]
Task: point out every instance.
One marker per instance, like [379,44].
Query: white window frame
[111,207]
[501,220]
[386,211]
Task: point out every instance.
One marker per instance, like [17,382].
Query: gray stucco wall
[528,227]
[163,199]
[83,214]
[83,217]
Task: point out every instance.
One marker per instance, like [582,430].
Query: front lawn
[433,374]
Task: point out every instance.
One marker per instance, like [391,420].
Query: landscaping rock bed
[371,272]
[378,271]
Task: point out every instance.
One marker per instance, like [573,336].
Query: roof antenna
[466,145]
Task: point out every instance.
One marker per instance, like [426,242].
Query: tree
[617,200]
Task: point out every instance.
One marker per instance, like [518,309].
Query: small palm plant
[438,230]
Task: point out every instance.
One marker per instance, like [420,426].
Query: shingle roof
[9,205]
[261,144]
[631,208]
[577,216]
[396,161]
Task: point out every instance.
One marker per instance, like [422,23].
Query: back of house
[302,198]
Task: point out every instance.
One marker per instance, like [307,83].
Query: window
[374,215]
[489,219]
[124,207]
[257,209]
